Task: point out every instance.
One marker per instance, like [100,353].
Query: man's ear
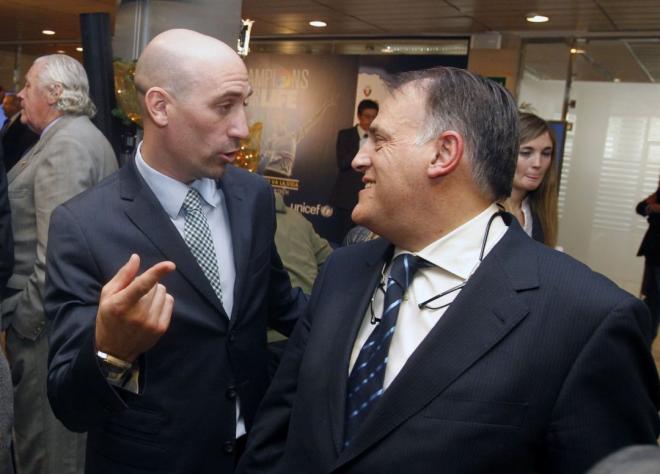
[448,154]
[156,100]
[54,93]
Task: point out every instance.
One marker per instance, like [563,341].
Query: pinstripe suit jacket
[539,365]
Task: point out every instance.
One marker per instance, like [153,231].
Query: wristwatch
[116,371]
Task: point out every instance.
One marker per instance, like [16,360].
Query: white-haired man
[70,156]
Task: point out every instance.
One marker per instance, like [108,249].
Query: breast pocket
[483,412]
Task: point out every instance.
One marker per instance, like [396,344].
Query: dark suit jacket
[650,246]
[6,237]
[539,365]
[183,421]
[349,181]
[17,138]
[537,230]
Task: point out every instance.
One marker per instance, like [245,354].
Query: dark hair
[481,110]
[367,104]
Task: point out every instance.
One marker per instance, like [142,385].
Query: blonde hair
[543,200]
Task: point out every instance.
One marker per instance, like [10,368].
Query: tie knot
[404,267]
[192,202]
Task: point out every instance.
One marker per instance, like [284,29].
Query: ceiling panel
[24,19]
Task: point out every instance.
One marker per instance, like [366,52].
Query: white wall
[612,161]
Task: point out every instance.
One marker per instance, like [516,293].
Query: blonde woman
[533,197]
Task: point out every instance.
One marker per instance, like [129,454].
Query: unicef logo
[327,211]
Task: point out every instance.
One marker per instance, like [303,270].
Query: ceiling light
[535,18]
[577,51]
[60,51]
[318,24]
[48,32]
[79,49]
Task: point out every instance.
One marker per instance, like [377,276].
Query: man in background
[650,249]
[163,280]
[3,116]
[454,343]
[349,182]
[71,155]
[16,137]
[6,389]
[301,249]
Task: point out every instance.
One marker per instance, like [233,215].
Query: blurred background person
[301,249]
[650,249]
[533,197]
[636,459]
[344,195]
[17,138]
[6,264]
[70,156]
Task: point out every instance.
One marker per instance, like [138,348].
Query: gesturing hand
[134,311]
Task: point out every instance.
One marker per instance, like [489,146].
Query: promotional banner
[298,105]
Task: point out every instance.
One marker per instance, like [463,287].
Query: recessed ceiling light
[60,51]
[535,18]
[577,51]
[318,24]
[79,49]
[48,32]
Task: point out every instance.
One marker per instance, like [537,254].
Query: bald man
[163,279]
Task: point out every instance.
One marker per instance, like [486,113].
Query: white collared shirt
[454,257]
[50,125]
[363,134]
[171,194]
[528,225]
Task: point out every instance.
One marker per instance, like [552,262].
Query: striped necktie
[365,382]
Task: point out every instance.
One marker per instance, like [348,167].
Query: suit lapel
[365,276]
[484,313]
[145,212]
[241,231]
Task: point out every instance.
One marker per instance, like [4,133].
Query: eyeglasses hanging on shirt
[427,303]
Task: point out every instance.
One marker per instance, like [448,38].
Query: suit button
[228,446]
[231,392]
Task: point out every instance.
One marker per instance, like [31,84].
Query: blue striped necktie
[365,382]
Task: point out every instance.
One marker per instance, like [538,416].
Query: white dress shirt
[454,258]
[363,134]
[171,194]
[528,225]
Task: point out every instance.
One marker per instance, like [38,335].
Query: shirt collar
[458,252]
[362,132]
[50,125]
[170,192]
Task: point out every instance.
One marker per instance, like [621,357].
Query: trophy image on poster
[250,149]
[281,146]
[125,93]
